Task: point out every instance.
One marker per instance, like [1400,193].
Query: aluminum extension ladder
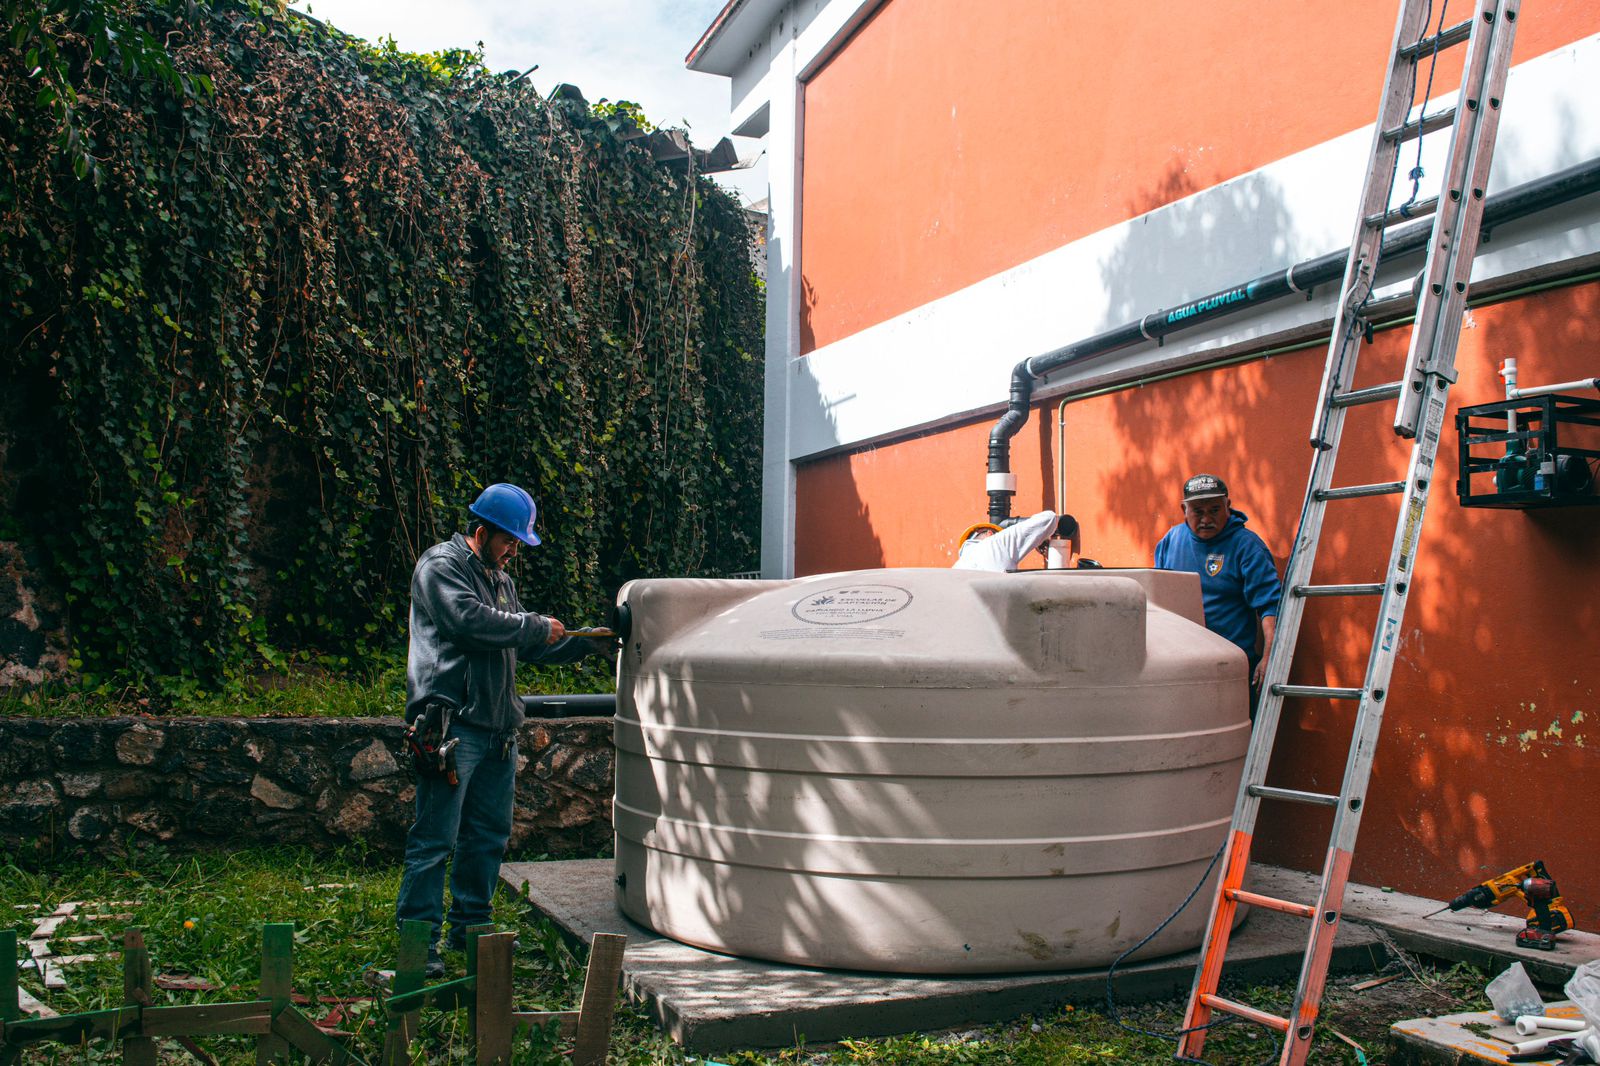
[1422,392]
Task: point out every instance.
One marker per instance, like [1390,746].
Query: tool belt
[433,751]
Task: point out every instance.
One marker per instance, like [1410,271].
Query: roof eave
[725,45]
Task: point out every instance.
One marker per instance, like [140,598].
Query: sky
[611,49]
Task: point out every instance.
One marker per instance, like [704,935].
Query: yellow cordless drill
[1532,882]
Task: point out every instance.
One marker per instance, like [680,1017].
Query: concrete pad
[1458,1039]
[709,1002]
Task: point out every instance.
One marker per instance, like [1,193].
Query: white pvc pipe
[1508,370]
[1514,393]
[1058,554]
[1545,1041]
[1528,1024]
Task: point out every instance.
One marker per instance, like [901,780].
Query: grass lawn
[202,917]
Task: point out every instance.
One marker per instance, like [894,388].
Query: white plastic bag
[1584,991]
[1513,994]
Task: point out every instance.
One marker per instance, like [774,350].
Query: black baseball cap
[1204,487]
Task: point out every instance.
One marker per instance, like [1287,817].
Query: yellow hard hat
[975,528]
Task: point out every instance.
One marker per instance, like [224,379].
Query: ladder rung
[1294,795]
[1420,209]
[1271,903]
[1317,692]
[1421,128]
[1351,492]
[1373,394]
[1375,589]
[1439,41]
[1260,1017]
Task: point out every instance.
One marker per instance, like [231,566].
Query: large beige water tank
[924,771]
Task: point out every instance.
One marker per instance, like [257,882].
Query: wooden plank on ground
[33,1007]
[138,1050]
[209,1019]
[592,1044]
[415,938]
[277,984]
[566,1020]
[492,1007]
[299,1032]
[46,926]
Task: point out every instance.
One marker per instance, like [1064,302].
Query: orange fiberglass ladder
[1422,393]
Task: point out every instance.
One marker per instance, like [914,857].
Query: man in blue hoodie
[468,631]
[1238,580]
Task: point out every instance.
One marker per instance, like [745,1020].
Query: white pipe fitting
[1543,1042]
[1000,483]
[1508,370]
[1528,1024]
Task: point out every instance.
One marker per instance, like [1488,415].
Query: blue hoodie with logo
[1238,579]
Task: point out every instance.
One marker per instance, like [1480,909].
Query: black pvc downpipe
[1507,206]
[1000,442]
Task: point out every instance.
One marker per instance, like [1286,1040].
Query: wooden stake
[10,1006]
[138,1050]
[474,933]
[593,1043]
[492,1006]
[408,977]
[277,982]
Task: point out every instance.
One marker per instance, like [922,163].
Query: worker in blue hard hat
[468,632]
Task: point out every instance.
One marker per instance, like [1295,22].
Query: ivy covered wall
[306,305]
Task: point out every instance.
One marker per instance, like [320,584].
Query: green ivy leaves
[320,293]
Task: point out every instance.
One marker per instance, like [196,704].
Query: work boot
[434,967]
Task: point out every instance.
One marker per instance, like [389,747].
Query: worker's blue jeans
[470,821]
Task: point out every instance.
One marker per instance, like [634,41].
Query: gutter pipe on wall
[1001,483]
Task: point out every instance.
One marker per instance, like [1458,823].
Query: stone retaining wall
[99,785]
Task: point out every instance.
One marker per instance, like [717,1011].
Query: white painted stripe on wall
[951,359]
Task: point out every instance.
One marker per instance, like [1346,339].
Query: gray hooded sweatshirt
[468,630]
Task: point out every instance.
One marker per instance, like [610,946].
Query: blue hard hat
[511,509]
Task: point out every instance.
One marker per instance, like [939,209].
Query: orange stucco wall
[950,140]
[1491,749]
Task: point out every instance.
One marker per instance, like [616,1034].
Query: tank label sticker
[849,605]
[808,633]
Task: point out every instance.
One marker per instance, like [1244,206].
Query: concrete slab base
[709,1002]
[1460,1039]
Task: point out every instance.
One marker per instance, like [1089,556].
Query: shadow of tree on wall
[1239,230]
[834,527]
